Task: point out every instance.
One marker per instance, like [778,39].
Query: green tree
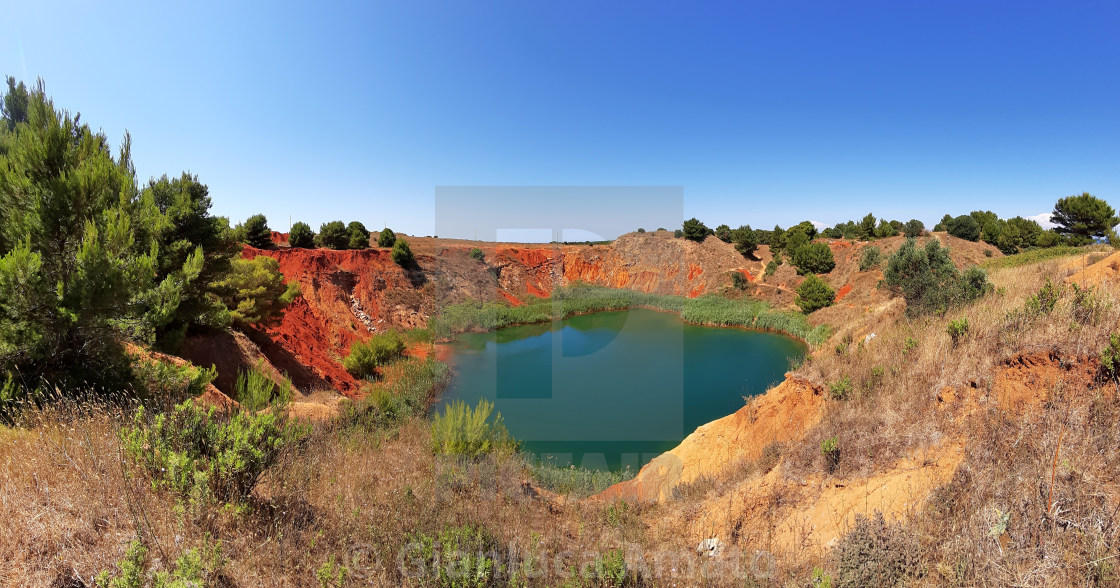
[256,232]
[943,224]
[359,235]
[1081,218]
[885,229]
[795,238]
[386,238]
[914,228]
[806,227]
[813,258]
[334,235]
[777,240]
[76,275]
[301,236]
[476,253]
[402,253]
[964,227]
[723,233]
[867,227]
[183,228]
[814,294]
[254,290]
[694,230]
[745,240]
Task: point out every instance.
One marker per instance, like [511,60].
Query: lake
[614,389]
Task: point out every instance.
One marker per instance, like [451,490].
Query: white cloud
[1042,219]
[819,225]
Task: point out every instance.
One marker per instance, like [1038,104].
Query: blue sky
[763,112]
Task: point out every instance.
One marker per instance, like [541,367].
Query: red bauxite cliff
[347,295]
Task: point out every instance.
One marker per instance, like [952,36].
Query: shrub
[723,233]
[406,394]
[462,556]
[964,227]
[402,253]
[301,236]
[1110,358]
[871,259]
[813,294]
[885,229]
[254,290]
[334,235]
[738,280]
[771,267]
[874,553]
[257,233]
[830,449]
[641,230]
[195,567]
[610,570]
[468,432]
[256,390]
[1044,301]
[958,330]
[197,453]
[477,254]
[1087,306]
[841,388]
[813,258]
[694,230]
[163,379]
[366,356]
[928,280]
[678,233]
[386,238]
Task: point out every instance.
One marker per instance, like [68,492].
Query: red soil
[510,297]
[747,274]
[842,292]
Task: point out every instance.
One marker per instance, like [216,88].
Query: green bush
[1088,307]
[872,257]
[414,384]
[928,280]
[1110,358]
[163,379]
[815,258]
[841,388]
[334,235]
[386,238]
[1044,301]
[814,294]
[958,330]
[402,253]
[257,233]
[461,430]
[771,267]
[195,567]
[610,570]
[830,449]
[738,280]
[256,390]
[198,453]
[366,356]
[456,557]
[477,253]
[301,236]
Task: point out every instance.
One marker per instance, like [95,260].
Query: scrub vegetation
[581,298]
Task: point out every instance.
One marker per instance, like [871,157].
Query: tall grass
[571,480]
[406,391]
[580,298]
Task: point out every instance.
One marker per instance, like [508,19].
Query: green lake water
[614,389]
